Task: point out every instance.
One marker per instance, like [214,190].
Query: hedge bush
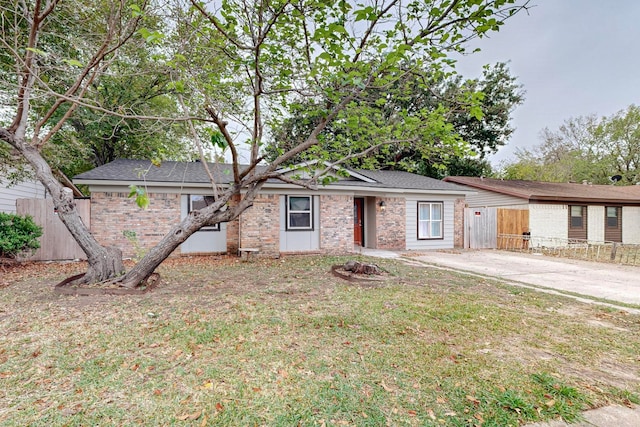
[18,235]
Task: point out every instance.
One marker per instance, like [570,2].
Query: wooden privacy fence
[480,231]
[56,242]
[514,222]
[485,226]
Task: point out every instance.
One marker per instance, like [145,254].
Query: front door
[358,221]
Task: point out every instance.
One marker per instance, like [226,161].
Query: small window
[299,213]
[197,202]
[430,220]
[612,216]
[577,216]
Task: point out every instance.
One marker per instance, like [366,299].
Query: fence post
[614,249]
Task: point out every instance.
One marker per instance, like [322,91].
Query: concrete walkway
[589,282]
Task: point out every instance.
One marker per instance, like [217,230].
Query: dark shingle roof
[125,170]
[552,191]
[399,179]
[167,172]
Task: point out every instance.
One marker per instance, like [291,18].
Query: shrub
[18,234]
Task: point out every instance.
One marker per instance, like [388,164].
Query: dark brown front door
[358,221]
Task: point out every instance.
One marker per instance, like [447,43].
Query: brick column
[458,223]
[390,223]
[260,225]
[336,224]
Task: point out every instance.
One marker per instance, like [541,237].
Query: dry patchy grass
[283,342]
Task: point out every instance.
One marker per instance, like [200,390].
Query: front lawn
[284,342]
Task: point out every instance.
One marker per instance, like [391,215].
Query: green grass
[283,342]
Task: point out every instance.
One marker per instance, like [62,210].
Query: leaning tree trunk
[105,263]
[213,214]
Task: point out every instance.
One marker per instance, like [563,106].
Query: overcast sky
[574,58]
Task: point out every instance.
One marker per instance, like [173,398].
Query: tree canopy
[135,83]
[235,67]
[584,148]
[459,122]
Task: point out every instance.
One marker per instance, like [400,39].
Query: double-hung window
[613,213]
[576,216]
[430,224]
[299,213]
[197,202]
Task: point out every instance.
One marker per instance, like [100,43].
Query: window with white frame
[430,220]
[299,213]
[197,202]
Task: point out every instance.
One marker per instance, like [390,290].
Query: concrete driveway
[587,280]
[615,283]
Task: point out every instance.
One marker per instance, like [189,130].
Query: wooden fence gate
[513,228]
[56,243]
[483,226]
[480,227]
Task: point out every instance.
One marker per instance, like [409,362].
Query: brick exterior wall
[336,224]
[391,223]
[114,213]
[546,220]
[260,225]
[458,223]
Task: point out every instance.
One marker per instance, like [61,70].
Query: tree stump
[361,268]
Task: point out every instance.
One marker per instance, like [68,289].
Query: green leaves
[135,10]
[142,199]
[18,235]
[37,51]
[218,140]
[73,62]
[150,36]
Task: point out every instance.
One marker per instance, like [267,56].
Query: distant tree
[136,83]
[584,149]
[473,117]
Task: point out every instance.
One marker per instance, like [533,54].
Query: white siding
[631,225]
[370,222]
[485,198]
[23,190]
[595,223]
[412,242]
[300,240]
[202,241]
[548,223]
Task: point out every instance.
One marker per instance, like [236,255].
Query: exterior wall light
[382,205]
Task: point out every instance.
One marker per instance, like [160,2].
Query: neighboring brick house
[562,212]
[372,209]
